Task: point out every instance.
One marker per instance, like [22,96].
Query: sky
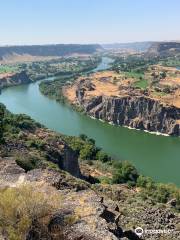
[88,21]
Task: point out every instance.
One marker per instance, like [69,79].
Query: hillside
[57,50]
[164,49]
[136,46]
[58,187]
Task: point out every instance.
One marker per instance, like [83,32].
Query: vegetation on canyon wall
[20,139]
[35,148]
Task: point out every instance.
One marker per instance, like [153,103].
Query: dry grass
[15,58]
[101,88]
[171,81]
[103,82]
[70,93]
[20,206]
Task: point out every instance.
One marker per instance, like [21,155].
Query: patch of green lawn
[134,75]
[143,84]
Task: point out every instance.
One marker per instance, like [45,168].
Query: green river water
[154,156]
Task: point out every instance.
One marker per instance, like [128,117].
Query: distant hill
[137,46]
[49,50]
[164,49]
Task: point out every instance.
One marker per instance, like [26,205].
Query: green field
[7,69]
[143,84]
[134,75]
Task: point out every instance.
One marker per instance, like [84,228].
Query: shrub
[28,162]
[1,122]
[76,144]
[91,141]
[20,206]
[145,182]
[23,121]
[83,137]
[102,156]
[36,143]
[124,172]
[161,194]
[87,152]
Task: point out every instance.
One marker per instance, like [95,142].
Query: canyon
[123,105]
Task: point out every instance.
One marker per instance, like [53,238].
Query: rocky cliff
[14,79]
[164,49]
[141,112]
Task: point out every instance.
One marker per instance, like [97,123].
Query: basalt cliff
[124,106]
[135,111]
[11,79]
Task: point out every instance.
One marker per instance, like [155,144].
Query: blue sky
[88,21]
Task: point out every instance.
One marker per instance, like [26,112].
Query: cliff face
[60,153]
[33,146]
[139,112]
[164,49]
[14,79]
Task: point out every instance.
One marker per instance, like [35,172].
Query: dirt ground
[109,83]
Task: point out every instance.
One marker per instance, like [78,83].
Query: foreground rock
[91,219]
[108,212]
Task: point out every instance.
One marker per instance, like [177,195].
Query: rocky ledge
[90,218]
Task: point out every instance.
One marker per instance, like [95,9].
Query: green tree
[102,156]
[161,194]
[2,111]
[125,172]
[83,137]
[145,182]
[87,152]
[28,162]
[163,75]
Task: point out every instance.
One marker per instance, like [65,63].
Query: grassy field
[7,69]
[134,75]
[143,84]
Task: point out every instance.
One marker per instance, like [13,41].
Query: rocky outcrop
[102,212]
[83,214]
[141,112]
[14,79]
[54,150]
[60,153]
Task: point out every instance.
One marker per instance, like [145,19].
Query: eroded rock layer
[133,110]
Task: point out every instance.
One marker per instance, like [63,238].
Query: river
[154,156]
